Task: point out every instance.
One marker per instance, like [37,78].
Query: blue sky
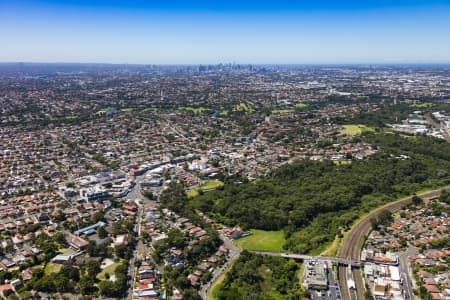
[193,32]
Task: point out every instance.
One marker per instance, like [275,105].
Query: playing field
[352,129]
[282,111]
[150,109]
[301,105]
[195,110]
[208,185]
[423,105]
[261,240]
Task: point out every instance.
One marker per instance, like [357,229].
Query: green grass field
[244,107]
[150,109]
[423,105]
[52,268]
[109,269]
[261,240]
[102,111]
[301,105]
[195,110]
[352,129]
[208,185]
[282,111]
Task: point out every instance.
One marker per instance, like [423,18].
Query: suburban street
[133,196]
[232,256]
[405,271]
[352,245]
[136,196]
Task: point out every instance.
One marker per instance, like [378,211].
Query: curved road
[352,245]
[232,256]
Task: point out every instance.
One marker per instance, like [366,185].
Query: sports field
[261,240]
[301,105]
[282,111]
[355,129]
[208,185]
[423,105]
[195,110]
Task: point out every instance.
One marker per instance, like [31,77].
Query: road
[233,254]
[353,243]
[335,259]
[333,285]
[134,195]
[406,272]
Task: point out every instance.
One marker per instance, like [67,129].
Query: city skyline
[204,32]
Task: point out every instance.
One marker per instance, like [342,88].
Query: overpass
[339,260]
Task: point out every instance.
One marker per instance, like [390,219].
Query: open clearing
[423,105]
[103,111]
[244,107]
[352,129]
[52,268]
[109,267]
[261,240]
[301,105]
[150,109]
[208,185]
[282,111]
[195,110]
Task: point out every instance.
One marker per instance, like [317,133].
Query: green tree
[93,268]
[444,197]
[87,285]
[102,233]
[417,200]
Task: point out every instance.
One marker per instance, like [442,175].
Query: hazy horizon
[244,32]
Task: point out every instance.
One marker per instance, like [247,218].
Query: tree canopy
[313,200]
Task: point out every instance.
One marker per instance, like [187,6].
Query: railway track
[352,245]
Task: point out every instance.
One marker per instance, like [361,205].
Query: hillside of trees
[312,201]
[387,114]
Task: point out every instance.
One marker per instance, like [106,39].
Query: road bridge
[339,260]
